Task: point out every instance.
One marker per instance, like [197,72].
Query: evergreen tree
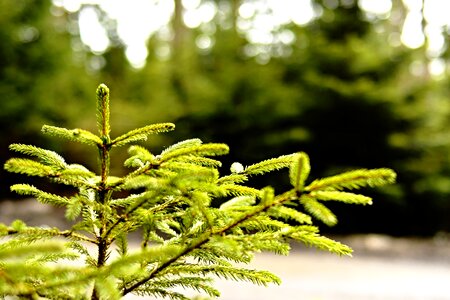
[167,198]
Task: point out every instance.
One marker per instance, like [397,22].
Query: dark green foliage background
[344,95]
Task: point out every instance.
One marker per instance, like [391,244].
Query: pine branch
[269,165]
[232,179]
[299,170]
[139,157]
[182,145]
[227,272]
[240,190]
[287,213]
[354,180]
[264,241]
[312,238]
[162,293]
[7,252]
[31,234]
[318,210]
[345,197]
[211,149]
[29,167]
[199,284]
[239,201]
[73,177]
[46,157]
[76,135]
[202,161]
[141,134]
[41,196]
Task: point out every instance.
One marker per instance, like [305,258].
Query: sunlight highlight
[97,39]
[137,20]
[259,21]
[412,35]
[378,7]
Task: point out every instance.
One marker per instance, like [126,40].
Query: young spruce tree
[185,241]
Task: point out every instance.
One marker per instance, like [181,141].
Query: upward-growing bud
[103,110]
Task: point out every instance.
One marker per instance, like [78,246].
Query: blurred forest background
[354,84]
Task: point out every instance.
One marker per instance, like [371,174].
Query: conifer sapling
[166,198]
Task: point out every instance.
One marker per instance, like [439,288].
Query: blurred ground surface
[382,267]
[313,276]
